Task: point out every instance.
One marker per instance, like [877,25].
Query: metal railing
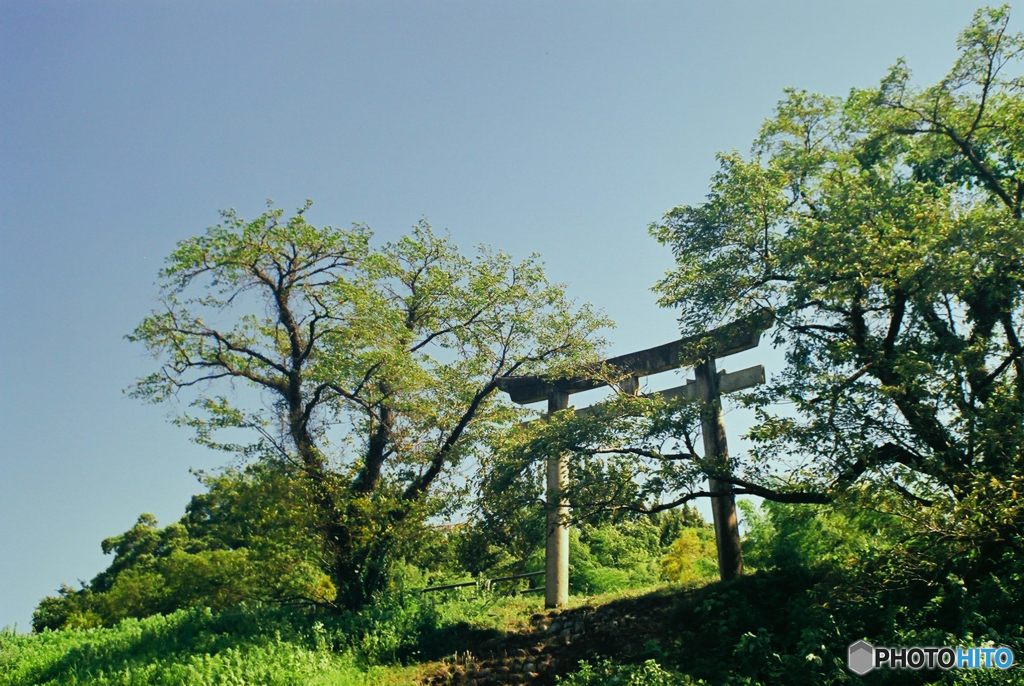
[486,584]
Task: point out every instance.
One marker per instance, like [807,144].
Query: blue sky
[558,128]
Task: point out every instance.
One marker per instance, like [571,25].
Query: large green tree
[885,231]
[373,371]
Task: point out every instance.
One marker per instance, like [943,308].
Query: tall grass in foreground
[257,645]
[389,642]
[186,647]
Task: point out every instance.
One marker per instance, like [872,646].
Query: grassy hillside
[766,628]
[388,643]
[186,647]
[826,579]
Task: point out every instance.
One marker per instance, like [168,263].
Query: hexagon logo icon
[861,658]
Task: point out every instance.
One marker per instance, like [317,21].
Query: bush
[245,539]
[614,556]
[608,673]
[691,558]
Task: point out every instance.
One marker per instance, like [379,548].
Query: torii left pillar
[556,561]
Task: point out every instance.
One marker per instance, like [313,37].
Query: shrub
[608,673]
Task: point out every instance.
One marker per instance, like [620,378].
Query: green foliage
[788,535]
[827,578]
[614,556]
[607,552]
[371,371]
[243,540]
[885,232]
[624,454]
[692,557]
[672,523]
[759,537]
[188,646]
[504,535]
[610,548]
[250,644]
[608,673]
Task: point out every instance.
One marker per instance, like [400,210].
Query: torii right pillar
[716,451]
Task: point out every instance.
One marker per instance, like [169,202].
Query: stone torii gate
[708,386]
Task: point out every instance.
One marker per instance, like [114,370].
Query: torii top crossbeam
[732,338]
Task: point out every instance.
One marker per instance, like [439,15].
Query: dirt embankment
[556,641]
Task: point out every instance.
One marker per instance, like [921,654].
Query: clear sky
[558,128]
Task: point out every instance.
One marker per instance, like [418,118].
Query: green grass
[766,628]
[388,643]
[187,647]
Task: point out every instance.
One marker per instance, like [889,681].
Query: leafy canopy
[885,231]
[373,371]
